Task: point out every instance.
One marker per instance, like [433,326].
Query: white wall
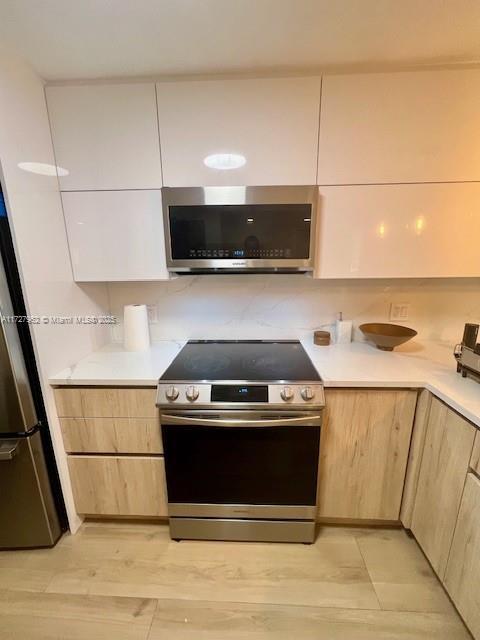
[36,219]
[285,306]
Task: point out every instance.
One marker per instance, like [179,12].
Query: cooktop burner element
[243,360]
[241,374]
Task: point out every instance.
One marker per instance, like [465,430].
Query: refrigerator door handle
[8,449]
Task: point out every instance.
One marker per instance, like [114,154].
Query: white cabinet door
[399,231]
[272,123]
[106,136]
[115,235]
[400,127]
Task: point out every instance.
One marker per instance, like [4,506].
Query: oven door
[242,464]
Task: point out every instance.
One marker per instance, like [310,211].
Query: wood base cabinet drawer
[119,485]
[106,402]
[112,435]
[462,578]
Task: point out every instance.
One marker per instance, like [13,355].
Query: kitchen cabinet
[271,122]
[363,453]
[113,420]
[417,444]
[106,402]
[419,126]
[115,235]
[462,578]
[446,455]
[398,231]
[475,461]
[105,136]
[119,485]
[112,435]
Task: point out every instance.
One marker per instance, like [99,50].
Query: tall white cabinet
[419,126]
[399,175]
[106,140]
[271,122]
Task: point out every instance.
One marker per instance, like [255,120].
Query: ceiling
[86,39]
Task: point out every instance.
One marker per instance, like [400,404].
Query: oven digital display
[239,393]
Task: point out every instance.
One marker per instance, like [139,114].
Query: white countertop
[416,364]
[112,366]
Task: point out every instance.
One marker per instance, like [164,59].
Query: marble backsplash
[292,306]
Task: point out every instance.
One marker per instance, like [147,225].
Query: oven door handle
[216,422]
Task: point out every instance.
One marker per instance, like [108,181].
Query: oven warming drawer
[242,530]
[271,512]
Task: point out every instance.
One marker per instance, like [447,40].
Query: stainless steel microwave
[240,229]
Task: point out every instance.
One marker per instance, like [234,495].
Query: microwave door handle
[217,422]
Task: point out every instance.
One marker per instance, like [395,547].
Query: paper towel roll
[343,330]
[136,334]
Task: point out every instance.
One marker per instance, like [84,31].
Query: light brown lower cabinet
[112,435]
[446,456]
[119,485]
[106,402]
[475,460]
[462,578]
[417,443]
[363,453]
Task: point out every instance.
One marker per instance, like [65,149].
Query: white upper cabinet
[270,125]
[399,231]
[400,127]
[115,235]
[106,136]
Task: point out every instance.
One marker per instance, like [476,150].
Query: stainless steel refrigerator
[29,514]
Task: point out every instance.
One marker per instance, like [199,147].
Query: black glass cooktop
[247,360]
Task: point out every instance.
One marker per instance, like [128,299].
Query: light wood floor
[129,581]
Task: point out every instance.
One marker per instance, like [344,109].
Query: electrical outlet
[399,311]
[152,312]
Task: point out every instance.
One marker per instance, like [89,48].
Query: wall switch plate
[152,312]
[399,311]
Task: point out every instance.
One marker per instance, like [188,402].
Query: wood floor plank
[89,548]
[53,617]
[116,530]
[402,578]
[146,563]
[326,553]
[237,582]
[181,620]
[25,578]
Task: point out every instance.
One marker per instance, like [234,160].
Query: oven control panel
[215,394]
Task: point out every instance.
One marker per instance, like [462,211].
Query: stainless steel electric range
[241,434]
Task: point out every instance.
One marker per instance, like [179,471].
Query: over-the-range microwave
[240,229]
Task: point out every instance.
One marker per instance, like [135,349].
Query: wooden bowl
[386,336]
